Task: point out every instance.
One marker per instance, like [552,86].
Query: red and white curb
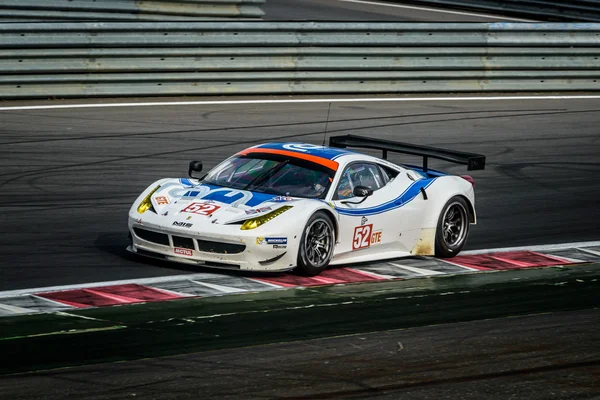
[101,294]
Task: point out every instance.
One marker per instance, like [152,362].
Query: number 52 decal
[201,208]
[365,237]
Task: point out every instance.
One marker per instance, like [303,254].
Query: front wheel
[316,245]
[452,228]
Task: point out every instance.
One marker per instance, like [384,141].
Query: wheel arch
[314,208]
[472,215]
[307,267]
[336,227]
[425,245]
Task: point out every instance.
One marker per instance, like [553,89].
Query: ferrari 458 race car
[280,206]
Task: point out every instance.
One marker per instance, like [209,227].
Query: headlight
[147,203]
[254,223]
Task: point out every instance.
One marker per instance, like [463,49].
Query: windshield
[272,174]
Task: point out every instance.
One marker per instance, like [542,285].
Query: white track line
[171,278]
[292,101]
[16,310]
[589,251]
[58,304]
[219,288]
[142,281]
[548,247]
[437,10]
[66,314]
[420,271]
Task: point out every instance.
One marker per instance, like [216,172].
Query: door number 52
[362,236]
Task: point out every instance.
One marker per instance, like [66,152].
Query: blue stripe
[408,195]
[430,172]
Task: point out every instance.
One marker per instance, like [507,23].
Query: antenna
[326,124]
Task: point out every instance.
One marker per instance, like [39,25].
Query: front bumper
[215,246]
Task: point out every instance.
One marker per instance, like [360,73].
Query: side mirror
[362,191]
[195,166]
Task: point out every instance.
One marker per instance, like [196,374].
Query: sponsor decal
[139,221]
[223,195]
[208,194]
[302,147]
[364,220]
[258,210]
[276,240]
[280,199]
[376,237]
[161,200]
[271,240]
[201,208]
[365,237]
[277,246]
[183,252]
[182,224]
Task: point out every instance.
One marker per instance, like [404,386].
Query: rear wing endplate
[471,160]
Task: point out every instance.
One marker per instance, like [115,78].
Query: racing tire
[452,228]
[316,245]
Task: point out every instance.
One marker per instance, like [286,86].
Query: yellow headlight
[254,223]
[147,203]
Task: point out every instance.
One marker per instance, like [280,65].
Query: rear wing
[471,160]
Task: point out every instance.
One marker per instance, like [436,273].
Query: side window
[388,174]
[359,174]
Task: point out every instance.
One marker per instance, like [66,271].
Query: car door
[372,224]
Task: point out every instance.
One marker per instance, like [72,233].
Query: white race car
[280,206]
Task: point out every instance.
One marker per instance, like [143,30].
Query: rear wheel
[452,228]
[316,245]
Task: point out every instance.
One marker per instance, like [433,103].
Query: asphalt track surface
[539,357]
[68,177]
[339,10]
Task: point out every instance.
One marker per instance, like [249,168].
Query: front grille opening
[150,236]
[186,243]
[220,247]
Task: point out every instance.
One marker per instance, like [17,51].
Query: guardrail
[128,10]
[201,58]
[557,10]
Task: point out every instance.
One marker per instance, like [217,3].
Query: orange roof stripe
[308,157]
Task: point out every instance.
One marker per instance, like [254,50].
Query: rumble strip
[102,294]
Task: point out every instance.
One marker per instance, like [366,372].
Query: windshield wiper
[268,174]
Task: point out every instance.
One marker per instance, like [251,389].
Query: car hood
[182,201]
